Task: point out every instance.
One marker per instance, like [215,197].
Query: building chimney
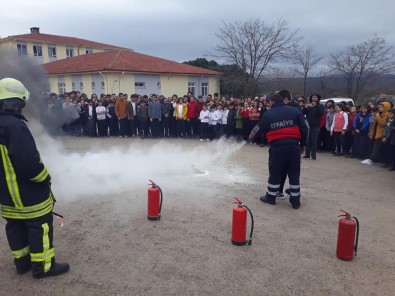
[35,30]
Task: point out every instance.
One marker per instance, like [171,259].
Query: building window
[37,51]
[158,84]
[73,86]
[61,88]
[22,49]
[81,86]
[191,88]
[204,89]
[89,50]
[69,52]
[102,85]
[139,85]
[51,52]
[93,85]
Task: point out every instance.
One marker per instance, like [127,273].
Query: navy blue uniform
[285,130]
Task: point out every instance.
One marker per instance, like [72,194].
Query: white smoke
[99,171]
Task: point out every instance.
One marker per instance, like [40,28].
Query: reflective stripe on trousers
[48,253]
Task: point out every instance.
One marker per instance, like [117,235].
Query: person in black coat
[313,112]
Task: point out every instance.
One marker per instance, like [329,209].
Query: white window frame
[139,85]
[158,84]
[81,86]
[37,50]
[88,50]
[204,89]
[191,87]
[62,87]
[93,84]
[52,51]
[73,85]
[69,52]
[102,84]
[22,49]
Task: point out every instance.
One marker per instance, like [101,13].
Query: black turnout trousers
[31,243]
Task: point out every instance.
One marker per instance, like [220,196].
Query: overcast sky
[183,30]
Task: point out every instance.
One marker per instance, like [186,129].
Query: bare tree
[324,78]
[360,63]
[282,78]
[306,60]
[254,46]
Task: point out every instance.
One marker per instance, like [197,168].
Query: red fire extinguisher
[155,199]
[239,224]
[347,238]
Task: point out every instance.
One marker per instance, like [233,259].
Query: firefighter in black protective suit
[25,190]
[285,130]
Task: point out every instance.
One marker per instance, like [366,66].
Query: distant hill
[331,86]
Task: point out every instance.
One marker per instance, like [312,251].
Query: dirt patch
[114,250]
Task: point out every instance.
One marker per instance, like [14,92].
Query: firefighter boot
[295,203]
[56,269]
[23,264]
[268,199]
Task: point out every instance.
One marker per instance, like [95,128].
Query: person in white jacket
[204,125]
[224,122]
[217,121]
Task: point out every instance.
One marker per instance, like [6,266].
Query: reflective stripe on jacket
[24,180]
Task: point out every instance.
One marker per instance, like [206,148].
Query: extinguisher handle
[238,201]
[346,214]
[152,183]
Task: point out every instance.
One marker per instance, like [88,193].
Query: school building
[92,67]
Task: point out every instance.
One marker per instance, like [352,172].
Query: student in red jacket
[192,118]
[245,115]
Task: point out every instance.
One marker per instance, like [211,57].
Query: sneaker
[367,162]
[56,269]
[280,195]
[201,140]
[305,156]
[207,139]
[268,200]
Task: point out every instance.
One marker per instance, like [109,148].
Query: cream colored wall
[68,81]
[60,49]
[173,84]
[117,82]
[213,84]
[53,84]
[87,81]
[8,45]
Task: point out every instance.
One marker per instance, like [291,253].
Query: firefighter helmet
[13,94]
[11,88]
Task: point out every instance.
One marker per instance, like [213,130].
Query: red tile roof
[122,60]
[56,39]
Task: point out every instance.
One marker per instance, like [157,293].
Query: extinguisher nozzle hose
[161,200]
[357,238]
[252,224]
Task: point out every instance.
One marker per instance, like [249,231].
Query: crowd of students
[366,131]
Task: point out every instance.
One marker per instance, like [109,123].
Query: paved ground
[114,250]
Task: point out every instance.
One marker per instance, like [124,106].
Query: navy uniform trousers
[284,159]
